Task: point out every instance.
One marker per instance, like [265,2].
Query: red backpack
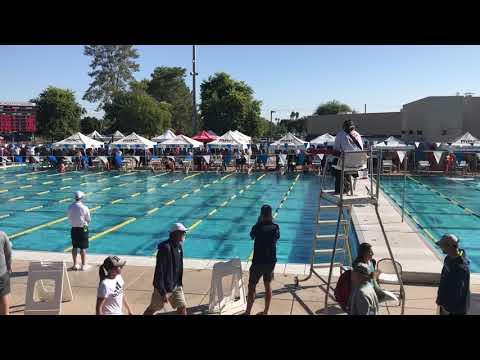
[342,290]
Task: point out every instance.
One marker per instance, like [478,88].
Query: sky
[285,78]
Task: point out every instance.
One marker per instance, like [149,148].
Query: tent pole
[404,185]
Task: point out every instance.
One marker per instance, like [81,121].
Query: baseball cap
[362,269]
[178,227]
[113,261]
[349,124]
[447,239]
[79,195]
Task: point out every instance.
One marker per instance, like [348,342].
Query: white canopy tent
[181,141]
[394,144]
[97,136]
[133,141]
[243,136]
[465,143]
[117,135]
[229,140]
[167,135]
[76,141]
[325,139]
[289,141]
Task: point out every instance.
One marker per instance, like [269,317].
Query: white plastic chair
[388,276]
[354,162]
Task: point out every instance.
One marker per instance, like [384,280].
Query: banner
[321,156]
[438,156]
[401,155]
[417,144]
[438,144]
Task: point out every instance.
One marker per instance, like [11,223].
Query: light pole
[271,122]
[194,94]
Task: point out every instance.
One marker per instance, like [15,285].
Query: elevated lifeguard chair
[349,163]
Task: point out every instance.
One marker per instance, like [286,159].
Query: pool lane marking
[135,194]
[108,231]
[10,182]
[290,188]
[212,212]
[41,226]
[65,187]
[17,198]
[451,200]
[34,208]
[47,182]
[116,201]
[43,192]
[3,191]
[106,189]
[123,184]
[151,211]
[4,216]
[38,227]
[169,202]
[185,195]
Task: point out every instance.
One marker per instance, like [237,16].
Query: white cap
[79,195]
[178,227]
[448,239]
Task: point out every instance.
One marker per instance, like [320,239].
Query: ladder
[343,203]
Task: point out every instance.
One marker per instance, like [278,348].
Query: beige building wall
[471,116]
[370,124]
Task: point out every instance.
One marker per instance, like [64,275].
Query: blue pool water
[135,210]
[442,205]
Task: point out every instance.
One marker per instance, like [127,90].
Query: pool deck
[308,299]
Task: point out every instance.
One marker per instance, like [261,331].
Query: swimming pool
[132,211]
[440,205]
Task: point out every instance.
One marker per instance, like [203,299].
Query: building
[431,119]
[17,118]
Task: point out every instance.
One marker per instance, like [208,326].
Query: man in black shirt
[265,234]
[167,280]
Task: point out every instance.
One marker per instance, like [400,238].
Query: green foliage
[89,124]
[168,85]
[58,113]
[112,69]
[228,104]
[332,107]
[138,111]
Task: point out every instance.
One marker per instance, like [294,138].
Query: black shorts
[238,161]
[260,270]
[79,238]
[5,284]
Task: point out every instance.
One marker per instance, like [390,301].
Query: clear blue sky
[284,78]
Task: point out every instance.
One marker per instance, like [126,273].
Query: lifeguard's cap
[177,227]
[79,195]
[448,239]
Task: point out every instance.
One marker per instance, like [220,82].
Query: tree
[58,114]
[138,111]
[332,107]
[89,124]
[112,69]
[228,104]
[168,84]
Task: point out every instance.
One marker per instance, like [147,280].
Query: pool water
[132,212]
[442,205]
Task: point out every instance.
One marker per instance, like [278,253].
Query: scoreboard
[17,117]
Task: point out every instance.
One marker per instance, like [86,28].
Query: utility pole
[194,94]
[365,108]
[271,122]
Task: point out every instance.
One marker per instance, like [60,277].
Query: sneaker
[85,267]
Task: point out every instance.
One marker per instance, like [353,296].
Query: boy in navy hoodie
[265,233]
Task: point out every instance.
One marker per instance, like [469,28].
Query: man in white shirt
[347,139]
[79,216]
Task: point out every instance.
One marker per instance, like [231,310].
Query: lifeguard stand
[348,164]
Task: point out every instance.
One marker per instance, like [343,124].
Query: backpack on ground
[343,289]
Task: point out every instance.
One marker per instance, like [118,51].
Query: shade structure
[229,140]
[211,132]
[133,141]
[325,139]
[243,136]
[78,141]
[167,135]
[394,144]
[97,136]
[204,137]
[117,135]
[465,143]
[289,141]
[181,141]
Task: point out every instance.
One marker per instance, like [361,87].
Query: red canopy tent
[204,137]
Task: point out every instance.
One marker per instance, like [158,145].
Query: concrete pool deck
[308,299]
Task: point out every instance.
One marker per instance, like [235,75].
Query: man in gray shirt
[364,300]
[5,270]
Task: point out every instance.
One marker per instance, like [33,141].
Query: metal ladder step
[329,237]
[332,222]
[327,251]
[328,206]
[325,265]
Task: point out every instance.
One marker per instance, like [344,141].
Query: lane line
[123,184]
[193,226]
[43,192]
[116,201]
[3,191]
[10,182]
[169,202]
[4,216]
[185,195]
[135,195]
[63,200]
[65,187]
[47,182]
[25,186]
[106,189]
[151,211]
[34,208]
[17,198]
